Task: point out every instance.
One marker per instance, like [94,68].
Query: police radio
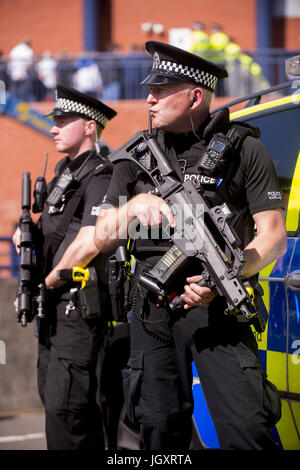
[40,190]
[64,182]
[214,156]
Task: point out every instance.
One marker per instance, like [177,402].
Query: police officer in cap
[158,381]
[69,339]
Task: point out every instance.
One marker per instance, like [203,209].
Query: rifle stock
[29,292]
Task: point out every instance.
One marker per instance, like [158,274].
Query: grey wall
[18,348]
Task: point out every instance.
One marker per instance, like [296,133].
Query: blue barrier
[8,251]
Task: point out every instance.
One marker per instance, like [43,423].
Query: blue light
[297,307]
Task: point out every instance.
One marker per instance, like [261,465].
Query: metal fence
[115,76]
[108,76]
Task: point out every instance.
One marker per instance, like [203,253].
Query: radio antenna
[149,122]
[45,165]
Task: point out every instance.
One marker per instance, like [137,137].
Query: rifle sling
[56,237]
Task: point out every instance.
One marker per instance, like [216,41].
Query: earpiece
[192,102]
[96,143]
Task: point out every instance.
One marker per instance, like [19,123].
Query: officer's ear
[91,128]
[196,97]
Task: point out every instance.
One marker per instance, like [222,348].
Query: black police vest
[241,222]
[89,164]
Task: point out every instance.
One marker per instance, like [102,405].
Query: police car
[276,112]
[279,345]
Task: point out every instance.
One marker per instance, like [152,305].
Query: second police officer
[70,335]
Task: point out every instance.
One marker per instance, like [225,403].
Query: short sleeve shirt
[253,184]
[85,214]
[251,187]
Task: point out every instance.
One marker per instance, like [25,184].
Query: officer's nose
[151,99]
[54,129]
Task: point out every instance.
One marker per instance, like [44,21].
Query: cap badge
[156,59]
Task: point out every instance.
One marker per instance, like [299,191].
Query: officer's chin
[157,124]
[59,147]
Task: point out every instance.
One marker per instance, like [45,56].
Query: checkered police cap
[73,103]
[172,64]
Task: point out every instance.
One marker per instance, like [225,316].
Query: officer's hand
[196,295]
[149,209]
[16,238]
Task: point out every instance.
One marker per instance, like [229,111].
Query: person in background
[200,44]
[87,77]
[46,70]
[218,40]
[3,72]
[232,53]
[20,59]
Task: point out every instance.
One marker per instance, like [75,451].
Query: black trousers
[67,381]
[243,404]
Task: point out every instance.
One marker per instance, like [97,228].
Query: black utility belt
[166,295]
[84,293]
[139,268]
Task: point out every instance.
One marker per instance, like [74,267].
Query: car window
[280,132]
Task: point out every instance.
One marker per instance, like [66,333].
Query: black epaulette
[220,123]
[121,152]
[103,168]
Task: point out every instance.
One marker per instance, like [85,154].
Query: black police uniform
[158,379]
[68,343]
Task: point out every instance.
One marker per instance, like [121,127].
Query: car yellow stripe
[286,430]
[294,376]
[276,369]
[292,219]
[267,105]
[262,338]
[276,364]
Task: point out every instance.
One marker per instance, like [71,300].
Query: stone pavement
[23,431]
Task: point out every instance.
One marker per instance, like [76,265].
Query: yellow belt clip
[80,275]
[253,296]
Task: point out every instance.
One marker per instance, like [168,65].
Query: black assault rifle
[31,292]
[202,232]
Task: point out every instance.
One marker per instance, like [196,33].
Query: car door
[279,344]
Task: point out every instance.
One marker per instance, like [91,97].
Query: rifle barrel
[26,190]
